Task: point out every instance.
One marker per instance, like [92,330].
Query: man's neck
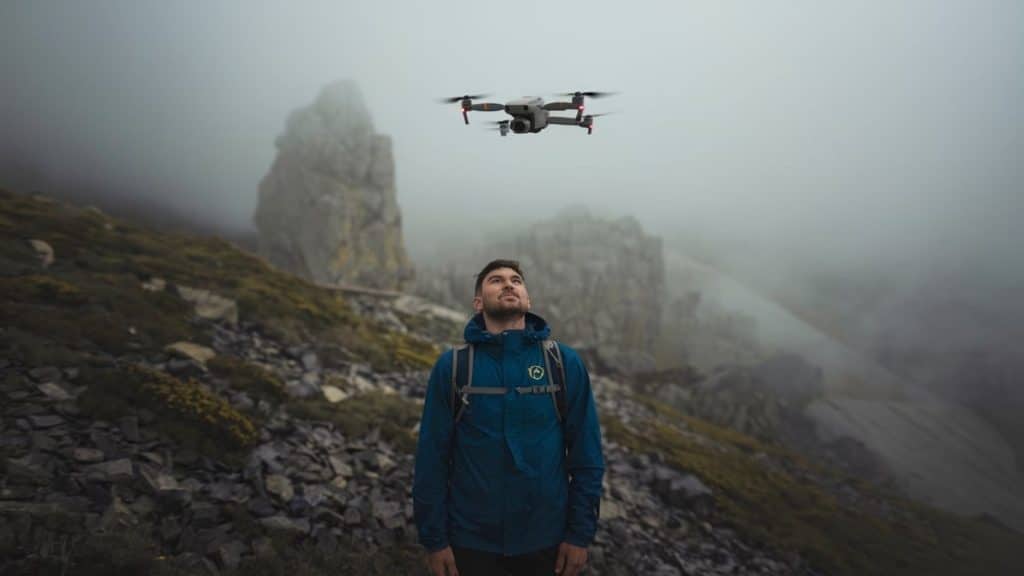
[499,325]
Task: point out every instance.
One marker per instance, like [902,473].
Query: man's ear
[478,304]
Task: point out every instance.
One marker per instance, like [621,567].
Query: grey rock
[210,306]
[43,251]
[310,362]
[87,455]
[229,554]
[299,506]
[261,507]
[328,516]
[204,514]
[112,470]
[130,428]
[279,486]
[45,374]
[43,421]
[311,381]
[386,510]
[229,492]
[288,525]
[54,391]
[315,494]
[143,506]
[353,516]
[377,461]
[340,467]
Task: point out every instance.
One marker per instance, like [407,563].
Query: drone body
[531,114]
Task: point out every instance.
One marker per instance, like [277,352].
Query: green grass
[785,509]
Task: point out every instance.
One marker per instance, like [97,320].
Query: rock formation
[327,209]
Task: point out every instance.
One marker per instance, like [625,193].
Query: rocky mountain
[860,412]
[173,405]
[327,208]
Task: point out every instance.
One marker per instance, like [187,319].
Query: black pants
[476,563]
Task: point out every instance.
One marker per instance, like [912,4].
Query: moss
[247,377]
[186,411]
[438,330]
[356,416]
[390,351]
[789,511]
[100,263]
[41,288]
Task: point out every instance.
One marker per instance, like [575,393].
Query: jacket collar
[537,329]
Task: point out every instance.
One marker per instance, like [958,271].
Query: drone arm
[563,121]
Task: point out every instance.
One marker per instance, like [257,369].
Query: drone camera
[520,125]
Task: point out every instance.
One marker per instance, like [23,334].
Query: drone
[530,114]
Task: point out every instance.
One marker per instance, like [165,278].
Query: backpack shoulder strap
[553,357]
[462,377]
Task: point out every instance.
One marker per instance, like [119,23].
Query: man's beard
[502,310]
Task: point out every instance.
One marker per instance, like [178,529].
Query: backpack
[462,380]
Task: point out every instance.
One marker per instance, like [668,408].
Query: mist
[860,158]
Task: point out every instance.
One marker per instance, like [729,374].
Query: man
[508,478]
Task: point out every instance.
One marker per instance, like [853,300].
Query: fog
[871,147]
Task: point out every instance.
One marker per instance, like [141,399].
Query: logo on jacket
[535,372]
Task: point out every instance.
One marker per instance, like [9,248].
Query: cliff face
[327,208]
[598,282]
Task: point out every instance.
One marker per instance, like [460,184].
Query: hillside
[173,405]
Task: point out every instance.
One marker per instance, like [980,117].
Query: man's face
[502,295]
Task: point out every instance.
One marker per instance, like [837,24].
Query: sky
[874,138]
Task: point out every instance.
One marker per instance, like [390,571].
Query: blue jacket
[503,479]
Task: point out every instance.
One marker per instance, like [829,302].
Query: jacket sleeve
[585,460]
[430,482]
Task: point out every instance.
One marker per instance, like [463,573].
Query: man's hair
[494,265]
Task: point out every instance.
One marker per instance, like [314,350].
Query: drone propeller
[466,104]
[577,99]
[454,99]
[589,94]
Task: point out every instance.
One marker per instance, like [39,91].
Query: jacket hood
[537,329]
